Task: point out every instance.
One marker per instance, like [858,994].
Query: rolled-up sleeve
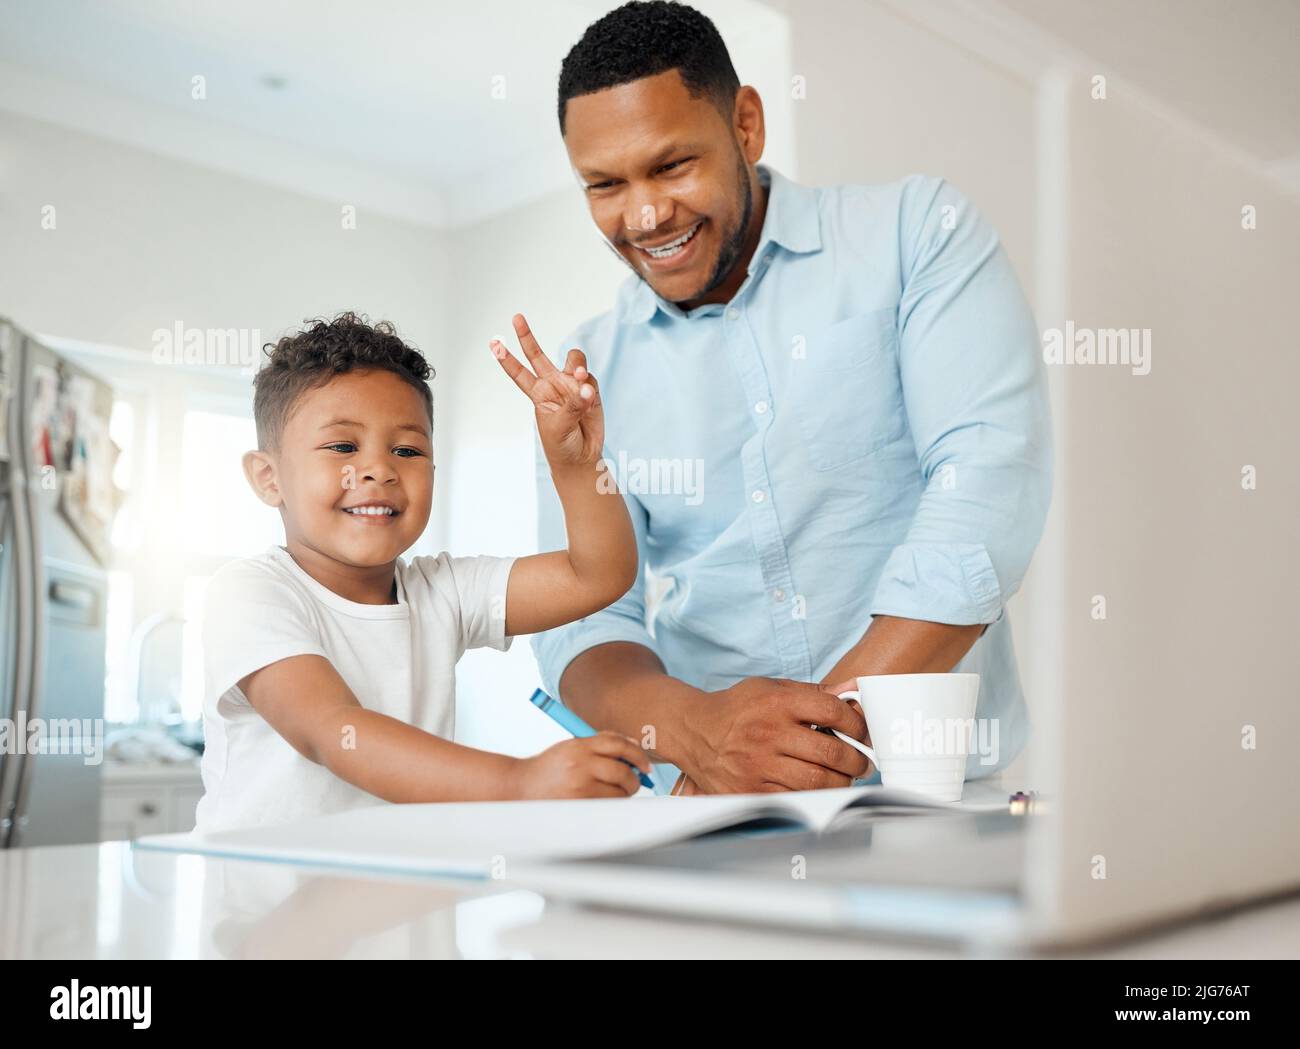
[624,620]
[975,391]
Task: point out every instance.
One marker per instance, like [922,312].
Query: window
[222,516]
[187,510]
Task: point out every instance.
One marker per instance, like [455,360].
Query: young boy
[330,661]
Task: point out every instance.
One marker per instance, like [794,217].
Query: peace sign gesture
[569,415]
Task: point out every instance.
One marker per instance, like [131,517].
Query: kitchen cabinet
[148,799]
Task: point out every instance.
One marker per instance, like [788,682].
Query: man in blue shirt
[826,411]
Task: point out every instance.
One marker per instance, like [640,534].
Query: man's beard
[733,240]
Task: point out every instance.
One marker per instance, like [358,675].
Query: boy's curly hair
[314,355]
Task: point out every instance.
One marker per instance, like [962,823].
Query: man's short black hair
[313,356]
[639,40]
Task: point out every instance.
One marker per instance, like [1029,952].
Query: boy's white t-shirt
[397,659]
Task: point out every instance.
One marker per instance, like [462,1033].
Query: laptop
[1166,729]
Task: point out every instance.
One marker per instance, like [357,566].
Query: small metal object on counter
[1023,802]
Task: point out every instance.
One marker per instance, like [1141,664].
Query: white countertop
[110,901]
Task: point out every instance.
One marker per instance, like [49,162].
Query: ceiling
[390,103]
[396,100]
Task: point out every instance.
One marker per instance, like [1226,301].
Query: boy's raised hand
[569,415]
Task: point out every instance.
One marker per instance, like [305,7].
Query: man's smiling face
[669,181]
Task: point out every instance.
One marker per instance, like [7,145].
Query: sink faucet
[139,636]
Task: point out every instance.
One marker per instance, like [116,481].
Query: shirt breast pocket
[845,390]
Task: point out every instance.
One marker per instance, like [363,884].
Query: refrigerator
[55,510]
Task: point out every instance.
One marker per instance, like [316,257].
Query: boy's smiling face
[353,474]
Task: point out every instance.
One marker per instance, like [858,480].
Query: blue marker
[575,726]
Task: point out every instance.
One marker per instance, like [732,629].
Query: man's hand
[851,685]
[755,737]
[570,418]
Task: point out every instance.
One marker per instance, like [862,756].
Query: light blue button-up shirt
[863,430]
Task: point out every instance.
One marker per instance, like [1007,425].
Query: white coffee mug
[902,711]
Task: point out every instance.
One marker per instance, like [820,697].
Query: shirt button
[732,313]
[760,407]
[758,496]
[779,595]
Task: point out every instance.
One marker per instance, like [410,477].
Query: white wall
[887,98]
[142,242]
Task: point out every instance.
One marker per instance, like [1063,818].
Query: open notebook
[479,839]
